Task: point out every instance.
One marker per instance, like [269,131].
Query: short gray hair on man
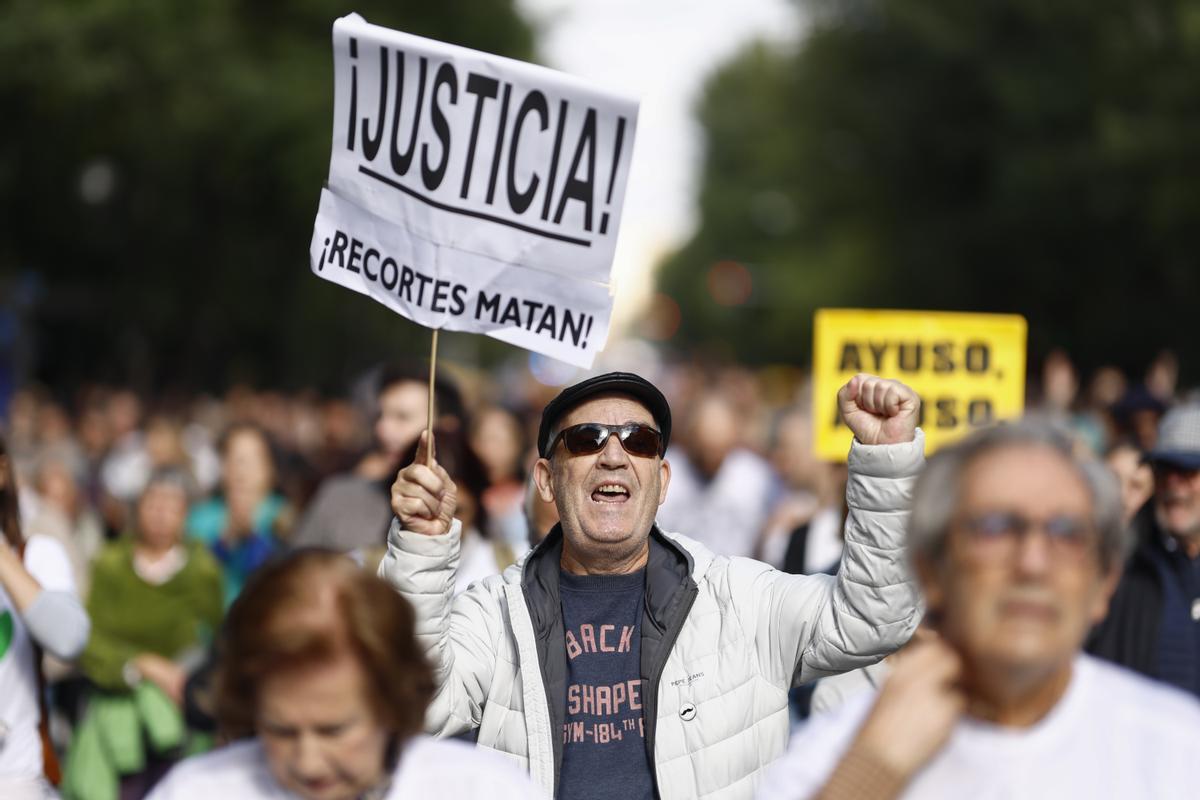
[938,491]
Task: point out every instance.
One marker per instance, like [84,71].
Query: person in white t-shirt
[1018,545]
[39,609]
[319,664]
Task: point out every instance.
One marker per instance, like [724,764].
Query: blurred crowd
[164,506]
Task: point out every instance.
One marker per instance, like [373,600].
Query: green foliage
[213,121]
[1014,156]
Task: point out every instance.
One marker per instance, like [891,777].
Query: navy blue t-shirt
[604,745]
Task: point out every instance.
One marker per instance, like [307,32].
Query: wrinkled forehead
[611,408]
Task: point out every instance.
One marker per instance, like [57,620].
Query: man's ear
[541,478]
[664,472]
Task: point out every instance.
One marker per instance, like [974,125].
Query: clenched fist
[423,496]
[879,411]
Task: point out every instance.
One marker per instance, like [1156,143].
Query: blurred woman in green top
[155,604]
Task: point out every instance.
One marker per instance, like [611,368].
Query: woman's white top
[20,741]
[430,769]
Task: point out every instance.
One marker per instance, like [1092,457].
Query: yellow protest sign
[969,369]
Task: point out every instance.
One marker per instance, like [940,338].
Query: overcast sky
[658,52]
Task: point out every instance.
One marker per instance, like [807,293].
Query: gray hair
[938,490]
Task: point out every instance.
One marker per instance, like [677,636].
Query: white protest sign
[472,192]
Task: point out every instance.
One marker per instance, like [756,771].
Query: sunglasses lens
[591,437]
[582,440]
[643,441]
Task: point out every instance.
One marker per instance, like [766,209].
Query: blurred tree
[160,166]
[1006,155]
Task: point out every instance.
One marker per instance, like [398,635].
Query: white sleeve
[458,634]
[56,619]
[812,626]
[47,562]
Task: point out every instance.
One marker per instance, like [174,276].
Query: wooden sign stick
[432,375]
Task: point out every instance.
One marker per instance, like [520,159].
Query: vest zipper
[652,695]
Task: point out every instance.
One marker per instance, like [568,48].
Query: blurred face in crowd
[1136,478]
[497,440]
[403,414]
[1108,384]
[713,434]
[340,425]
[161,513]
[1020,581]
[164,443]
[22,417]
[56,487]
[1059,382]
[124,413]
[793,453]
[53,424]
[320,735]
[94,433]
[1177,500]
[606,500]
[247,464]
[1144,424]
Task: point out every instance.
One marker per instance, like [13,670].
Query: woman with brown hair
[39,610]
[319,663]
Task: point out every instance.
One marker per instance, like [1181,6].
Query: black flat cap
[625,383]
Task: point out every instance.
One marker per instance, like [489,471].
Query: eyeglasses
[994,534]
[592,437]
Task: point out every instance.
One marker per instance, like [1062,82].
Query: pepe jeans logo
[689,680]
[6,632]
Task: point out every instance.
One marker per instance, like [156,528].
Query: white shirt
[726,514]
[21,748]
[430,769]
[1113,734]
[476,560]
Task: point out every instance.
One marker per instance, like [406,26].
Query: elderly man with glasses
[620,660]
[1017,546]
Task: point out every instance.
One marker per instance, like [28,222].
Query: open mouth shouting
[610,493]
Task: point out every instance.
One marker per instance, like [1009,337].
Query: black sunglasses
[592,437]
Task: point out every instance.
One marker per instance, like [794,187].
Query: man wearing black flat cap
[620,660]
[1153,622]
